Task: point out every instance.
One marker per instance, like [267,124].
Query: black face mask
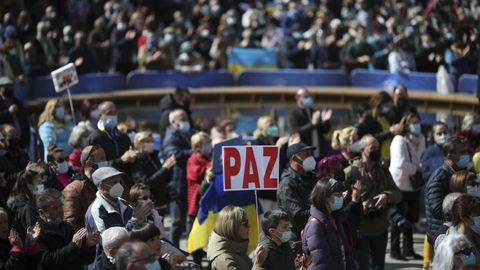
[8,92]
[402,102]
[374,156]
[339,176]
[13,144]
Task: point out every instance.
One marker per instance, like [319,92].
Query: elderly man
[112,239]
[80,193]
[136,255]
[177,142]
[309,122]
[179,99]
[296,185]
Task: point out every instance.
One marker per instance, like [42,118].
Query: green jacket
[225,254]
[279,257]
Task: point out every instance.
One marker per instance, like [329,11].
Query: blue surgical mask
[153,266]
[102,164]
[286,236]
[111,121]
[59,113]
[184,126]
[476,225]
[272,131]
[415,128]
[337,203]
[463,162]
[442,139]
[476,129]
[307,102]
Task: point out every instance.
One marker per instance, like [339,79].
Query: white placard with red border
[250,167]
[64,77]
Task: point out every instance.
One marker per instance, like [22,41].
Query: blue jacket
[432,159]
[51,134]
[323,242]
[436,190]
[175,144]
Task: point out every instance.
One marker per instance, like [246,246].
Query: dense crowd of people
[37,37]
[99,191]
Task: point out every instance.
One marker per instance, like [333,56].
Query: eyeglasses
[148,258]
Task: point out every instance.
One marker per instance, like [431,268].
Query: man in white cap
[13,112]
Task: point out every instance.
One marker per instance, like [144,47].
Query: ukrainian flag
[245,58]
[214,200]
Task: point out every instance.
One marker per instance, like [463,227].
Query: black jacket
[292,197]
[372,127]
[22,213]
[436,190]
[298,120]
[57,250]
[11,260]
[279,257]
[6,118]
[168,104]
[11,165]
[148,170]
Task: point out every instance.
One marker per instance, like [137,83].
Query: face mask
[39,189]
[442,139]
[111,121]
[468,259]
[463,162]
[308,164]
[307,102]
[401,103]
[374,156]
[415,128]
[385,109]
[121,26]
[286,236]
[59,113]
[116,190]
[153,266]
[62,167]
[102,164]
[476,129]
[473,190]
[207,149]
[148,147]
[272,131]
[337,203]
[184,126]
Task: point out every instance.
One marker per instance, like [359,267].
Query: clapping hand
[33,233]
[15,239]
[79,236]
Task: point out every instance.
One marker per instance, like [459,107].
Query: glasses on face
[148,258]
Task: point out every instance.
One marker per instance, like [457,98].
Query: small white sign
[64,77]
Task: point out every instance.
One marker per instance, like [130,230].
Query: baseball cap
[297,148]
[5,80]
[104,173]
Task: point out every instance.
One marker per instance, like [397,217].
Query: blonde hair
[262,122]
[199,139]
[229,221]
[341,139]
[48,113]
[140,138]
[136,191]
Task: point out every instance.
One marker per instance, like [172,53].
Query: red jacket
[197,165]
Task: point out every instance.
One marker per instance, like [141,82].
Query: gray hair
[448,201]
[111,237]
[173,114]
[101,106]
[364,141]
[445,251]
[126,254]
[77,132]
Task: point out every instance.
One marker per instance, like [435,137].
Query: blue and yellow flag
[245,58]
[214,200]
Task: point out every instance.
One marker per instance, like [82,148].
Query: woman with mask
[465,181]
[406,149]
[342,140]
[432,157]
[54,127]
[140,194]
[150,235]
[147,169]
[57,168]
[78,140]
[324,240]
[455,252]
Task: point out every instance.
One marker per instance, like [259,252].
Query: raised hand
[170,162]
[15,239]
[261,255]
[33,233]
[79,236]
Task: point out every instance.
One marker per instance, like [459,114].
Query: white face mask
[102,164]
[148,147]
[116,190]
[62,167]
[473,190]
[39,189]
[308,164]
[286,236]
[184,126]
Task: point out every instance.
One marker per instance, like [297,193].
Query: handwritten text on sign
[250,167]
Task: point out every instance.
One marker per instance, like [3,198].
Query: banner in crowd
[64,77]
[250,167]
[245,58]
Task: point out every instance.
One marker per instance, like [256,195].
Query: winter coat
[197,165]
[225,254]
[176,144]
[279,257]
[328,246]
[55,133]
[436,189]
[113,143]
[168,104]
[21,117]
[405,160]
[432,159]
[23,213]
[78,196]
[57,250]
[292,197]
[11,165]
[11,257]
[148,170]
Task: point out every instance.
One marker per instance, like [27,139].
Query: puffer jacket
[328,246]
[292,197]
[78,196]
[225,254]
[279,257]
[436,190]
